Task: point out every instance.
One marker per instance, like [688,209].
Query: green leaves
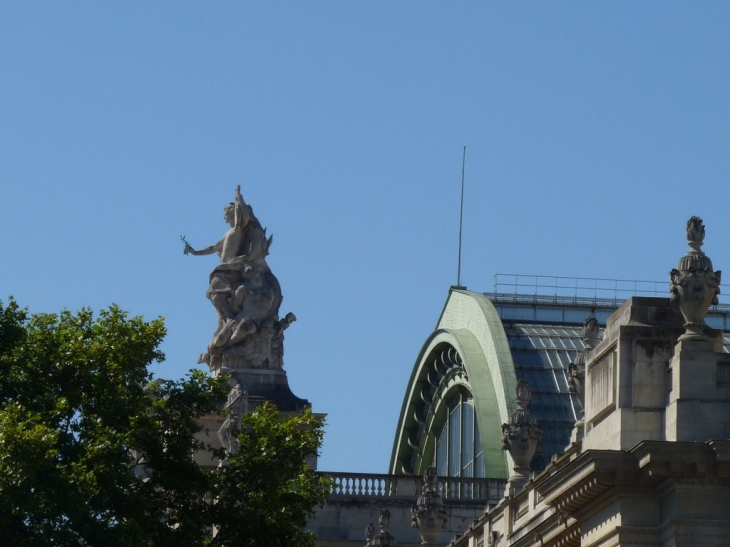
[267,491]
[94,452]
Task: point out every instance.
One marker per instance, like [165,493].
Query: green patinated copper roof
[470,324]
[482,344]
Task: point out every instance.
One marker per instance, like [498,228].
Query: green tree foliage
[267,491]
[95,453]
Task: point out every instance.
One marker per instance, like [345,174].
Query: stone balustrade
[370,485]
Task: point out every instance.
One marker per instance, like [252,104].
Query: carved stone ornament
[382,538]
[693,284]
[521,437]
[577,370]
[429,514]
[246,296]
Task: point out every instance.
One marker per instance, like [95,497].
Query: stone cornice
[557,530]
[590,474]
[685,462]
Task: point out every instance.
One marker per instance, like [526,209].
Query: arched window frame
[459,450]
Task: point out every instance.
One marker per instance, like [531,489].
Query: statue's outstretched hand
[188,249]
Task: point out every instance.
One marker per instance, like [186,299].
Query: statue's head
[229,212]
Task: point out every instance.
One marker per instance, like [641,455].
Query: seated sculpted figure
[243,290]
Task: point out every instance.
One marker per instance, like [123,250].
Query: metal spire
[461,217]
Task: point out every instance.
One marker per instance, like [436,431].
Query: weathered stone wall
[359,498]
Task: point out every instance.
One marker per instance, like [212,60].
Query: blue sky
[593,131]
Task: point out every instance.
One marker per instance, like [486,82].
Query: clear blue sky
[593,131]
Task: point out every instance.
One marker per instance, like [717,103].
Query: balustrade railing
[370,485]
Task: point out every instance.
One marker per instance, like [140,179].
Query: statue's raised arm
[243,213]
[238,215]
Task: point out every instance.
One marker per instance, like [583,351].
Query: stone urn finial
[693,284]
[429,514]
[382,538]
[521,437]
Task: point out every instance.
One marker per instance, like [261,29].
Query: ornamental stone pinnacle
[429,514]
[522,438]
[693,284]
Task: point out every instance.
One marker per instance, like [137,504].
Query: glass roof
[541,354]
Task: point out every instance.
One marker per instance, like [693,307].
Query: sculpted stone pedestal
[699,399]
[270,385]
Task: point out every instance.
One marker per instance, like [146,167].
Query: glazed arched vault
[468,351]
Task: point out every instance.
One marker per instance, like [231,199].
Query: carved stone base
[694,332]
[517,481]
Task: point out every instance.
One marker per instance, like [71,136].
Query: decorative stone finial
[245,294]
[429,514]
[521,437]
[383,538]
[693,284]
[695,233]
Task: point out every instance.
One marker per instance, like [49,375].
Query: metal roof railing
[581,291]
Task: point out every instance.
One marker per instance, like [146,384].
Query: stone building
[650,464]
[628,431]
[547,412]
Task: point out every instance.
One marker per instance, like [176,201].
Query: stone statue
[382,538]
[384,519]
[577,370]
[521,437]
[369,533]
[693,284]
[234,409]
[245,294]
[577,373]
